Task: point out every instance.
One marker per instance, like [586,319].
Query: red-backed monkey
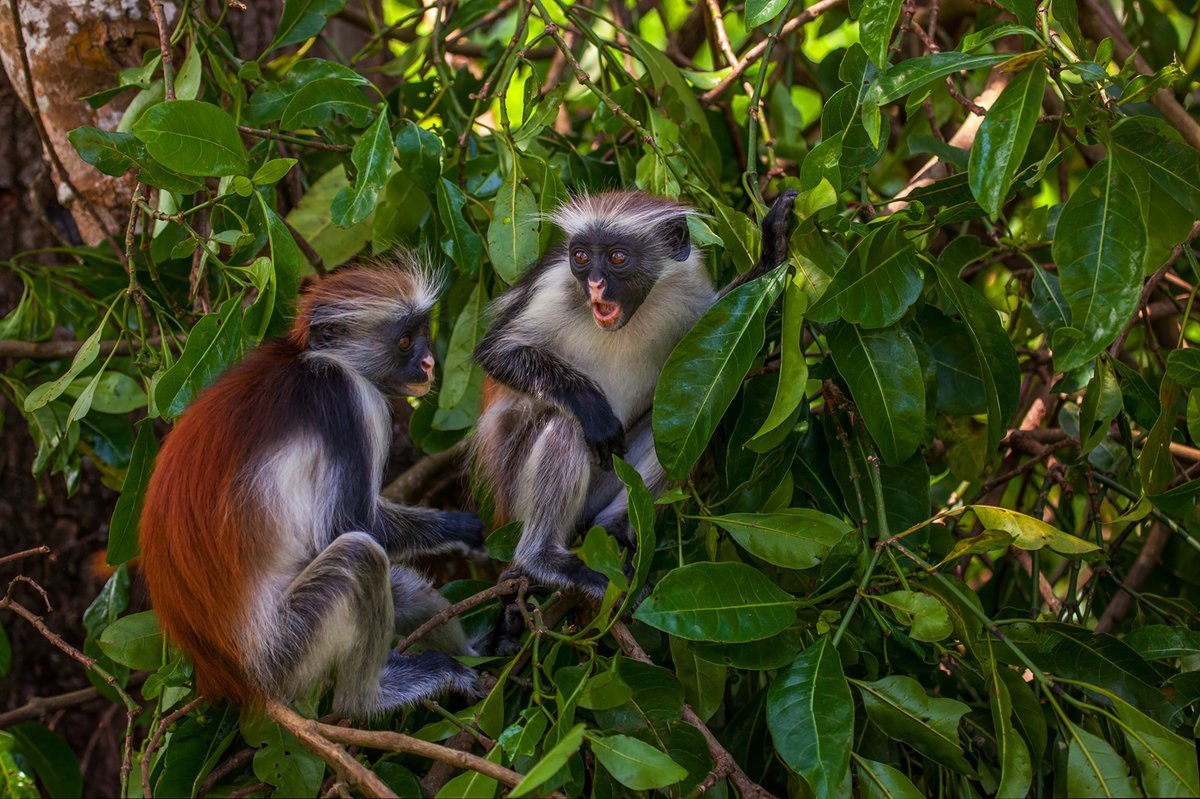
[266,545]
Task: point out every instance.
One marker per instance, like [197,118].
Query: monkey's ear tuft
[679,241]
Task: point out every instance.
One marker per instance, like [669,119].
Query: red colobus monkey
[572,361]
[266,545]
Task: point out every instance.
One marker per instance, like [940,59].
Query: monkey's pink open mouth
[606,313]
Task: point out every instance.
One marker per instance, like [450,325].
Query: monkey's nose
[596,288]
[427,364]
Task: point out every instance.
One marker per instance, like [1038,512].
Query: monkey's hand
[775,231]
[604,434]
[464,528]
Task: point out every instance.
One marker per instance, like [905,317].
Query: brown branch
[1044,587]
[314,258]
[1146,562]
[309,733]
[409,35]
[503,588]
[164,46]
[315,144]
[163,725]
[746,787]
[242,758]
[1151,283]
[56,350]
[412,484]
[756,52]
[718,23]
[36,112]
[37,707]
[42,550]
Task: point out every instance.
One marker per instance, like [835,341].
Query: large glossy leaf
[1166,762]
[798,538]
[281,760]
[213,345]
[1000,373]
[1094,769]
[51,758]
[1157,641]
[1151,145]
[135,641]
[551,762]
[705,370]
[460,241]
[916,73]
[793,369]
[513,233]
[636,764]
[924,614]
[880,781]
[1016,772]
[811,717]
[1099,245]
[123,531]
[703,681]
[1030,533]
[116,153]
[468,329]
[1004,136]
[372,156]
[775,652]
[879,282]
[193,138]
[884,376]
[876,21]
[721,602]
[303,19]
[319,101]
[899,706]
[312,219]
[761,11]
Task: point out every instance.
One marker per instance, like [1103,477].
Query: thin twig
[42,550]
[242,758]
[309,734]
[56,350]
[160,729]
[164,44]
[503,588]
[314,144]
[411,485]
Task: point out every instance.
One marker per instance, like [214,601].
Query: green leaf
[88,351]
[123,531]
[703,681]
[192,138]
[1158,641]
[1152,146]
[722,602]
[1166,762]
[1030,533]
[467,331]
[1000,373]
[879,282]
[460,242]
[117,153]
[916,73]
[635,764]
[759,12]
[212,346]
[884,376]
[319,101]
[312,219]
[281,760]
[14,782]
[272,171]
[551,762]
[1183,366]
[1004,136]
[705,371]
[135,641]
[1099,245]
[372,155]
[811,717]
[51,757]
[797,538]
[876,21]
[472,784]
[419,153]
[303,19]
[1094,769]
[880,781]
[512,236]
[925,614]
[1016,772]
[899,706]
[793,370]
[641,521]
[766,654]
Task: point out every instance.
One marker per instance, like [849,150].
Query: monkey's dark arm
[774,240]
[406,532]
[546,376]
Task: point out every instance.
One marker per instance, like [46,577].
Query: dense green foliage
[915,463]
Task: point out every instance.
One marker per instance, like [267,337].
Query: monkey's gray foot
[407,680]
[505,638]
[566,571]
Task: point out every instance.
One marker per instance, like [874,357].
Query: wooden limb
[413,483]
[309,733]
[25,553]
[722,760]
[242,758]
[1044,587]
[56,350]
[1146,562]
[160,729]
[38,707]
[164,46]
[503,588]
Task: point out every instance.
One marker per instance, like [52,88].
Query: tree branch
[1147,561]
[503,588]
[309,733]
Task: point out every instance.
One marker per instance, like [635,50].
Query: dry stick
[54,350]
[42,550]
[36,112]
[444,615]
[220,772]
[164,46]
[1148,289]
[746,787]
[314,258]
[335,756]
[159,730]
[718,21]
[1146,562]
[1101,22]
[406,744]
[315,144]
[37,707]
[754,53]
[1044,587]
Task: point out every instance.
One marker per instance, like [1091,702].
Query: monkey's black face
[405,367]
[617,272]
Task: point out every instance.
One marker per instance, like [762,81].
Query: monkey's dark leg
[406,532]
[607,504]
[774,240]
[338,615]
[552,489]
[415,601]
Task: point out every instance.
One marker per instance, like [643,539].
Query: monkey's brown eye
[618,257]
[581,257]
[405,342]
